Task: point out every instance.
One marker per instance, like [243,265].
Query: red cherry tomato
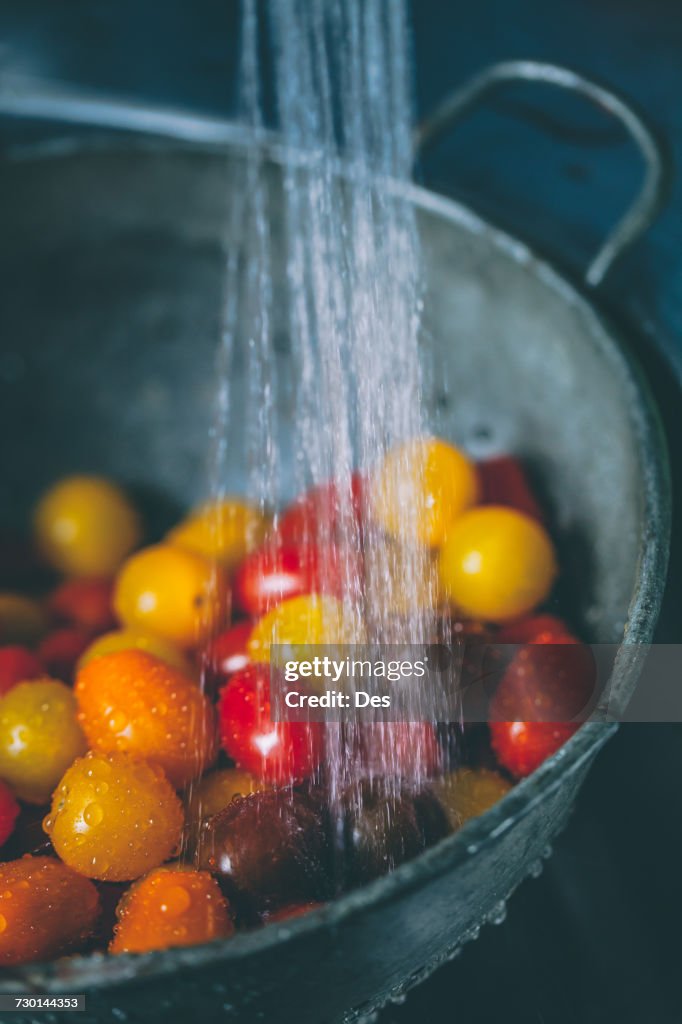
[504,482]
[277,752]
[9,809]
[536,629]
[61,649]
[318,512]
[17,665]
[84,601]
[521,747]
[275,573]
[228,654]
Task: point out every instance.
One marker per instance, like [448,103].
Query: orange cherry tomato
[46,910]
[130,702]
[171,907]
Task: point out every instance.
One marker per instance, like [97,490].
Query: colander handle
[657,169]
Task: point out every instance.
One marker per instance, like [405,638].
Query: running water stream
[340,71]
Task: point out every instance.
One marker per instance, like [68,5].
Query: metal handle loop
[653,191]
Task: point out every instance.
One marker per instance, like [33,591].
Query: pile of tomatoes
[135,704]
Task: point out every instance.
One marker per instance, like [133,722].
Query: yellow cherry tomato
[133,639]
[496,564]
[225,530]
[114,817]
[421,488]
[301,622]
[22,621]
[468,793]
[86,526]
[218,789]
[173,593]
[39,737]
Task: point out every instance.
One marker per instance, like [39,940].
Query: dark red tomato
[503,482]
[84,601]
[549,682]
[317,513]
[277,752]
[18,664]
[408,750]
[537,629]
[274,573]
[546,682]
[521,747]
[9,809]
[61,649]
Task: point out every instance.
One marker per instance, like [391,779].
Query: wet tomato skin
[277,752]
[46,909]
[171,906]
[521,747]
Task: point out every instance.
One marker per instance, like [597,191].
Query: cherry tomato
[468,792]
[46,910]
[504,482]
[133,703]
[85,526]
[227,654]
[318,514]
[175,593]
[278,752]
[39,737]
[218,789]
[302,622]
[273,574]
[226,531]
[536,629]
[521,747]
[84,601]
[550,679]
[114,818]
[9,810]
[22,620]
[421,488]
[137,640]
[61,649]
[496,564]
[17,665]
[171,906]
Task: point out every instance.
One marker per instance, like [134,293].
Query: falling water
[350,303]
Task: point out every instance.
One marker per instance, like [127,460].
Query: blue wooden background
[597,938]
